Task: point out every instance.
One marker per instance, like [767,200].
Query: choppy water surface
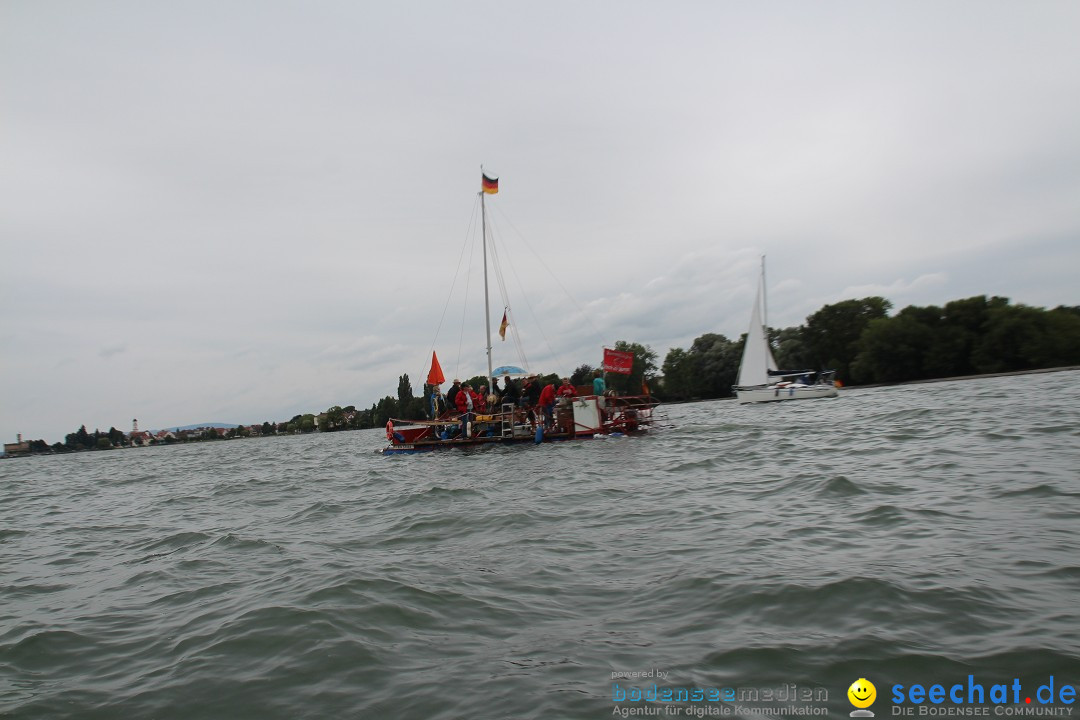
[915,534]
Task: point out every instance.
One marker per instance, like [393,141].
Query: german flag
[502,328]
[489,185]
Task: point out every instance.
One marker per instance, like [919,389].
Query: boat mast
[487,310]
[764,302]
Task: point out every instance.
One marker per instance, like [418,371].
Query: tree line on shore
[857,338]
[865,345]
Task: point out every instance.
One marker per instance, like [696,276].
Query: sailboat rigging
[514,417]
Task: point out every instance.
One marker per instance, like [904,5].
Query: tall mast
[487,310]
[764,302]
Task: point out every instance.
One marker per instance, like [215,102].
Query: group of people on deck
[529,396]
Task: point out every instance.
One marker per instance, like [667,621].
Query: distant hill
[199,425]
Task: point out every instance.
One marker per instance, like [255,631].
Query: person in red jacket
[466,405]
[547,404]
[566,389]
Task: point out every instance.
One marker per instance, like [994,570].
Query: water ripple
[909,534]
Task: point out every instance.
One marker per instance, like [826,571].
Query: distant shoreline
[965,377]
[1035,371]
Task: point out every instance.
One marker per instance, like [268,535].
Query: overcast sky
[241,211]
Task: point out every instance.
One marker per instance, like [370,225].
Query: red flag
[619,362]
[502,328]
[435,376]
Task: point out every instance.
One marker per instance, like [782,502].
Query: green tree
[718,364]
[963,323]
[790,347]
[1061,345]
[335,419]
[79,440]
[707,370]
[1020,337]
[892,350]
[680,373]
[582,375]
[384,410]
[832,333]
[405,394]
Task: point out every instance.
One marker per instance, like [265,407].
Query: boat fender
[390,430]
[539,434]
[468,430]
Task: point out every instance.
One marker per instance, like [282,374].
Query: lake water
[907,535]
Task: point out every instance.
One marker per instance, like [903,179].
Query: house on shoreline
[19,447]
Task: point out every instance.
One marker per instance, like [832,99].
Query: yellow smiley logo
[862,693]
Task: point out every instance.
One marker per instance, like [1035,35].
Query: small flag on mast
[489,185]
[502,328]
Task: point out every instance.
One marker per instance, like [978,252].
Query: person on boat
[566,389]
[438,403]
[452,393]
[482,400]
[598,384]
[510,392]
[547,405]
[599,387]
[466,405]
[530,396]
[531,392]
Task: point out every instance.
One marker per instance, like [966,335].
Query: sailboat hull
[774,393]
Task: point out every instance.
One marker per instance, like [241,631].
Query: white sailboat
[760,380]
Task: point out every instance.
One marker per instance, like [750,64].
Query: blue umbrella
[508,370]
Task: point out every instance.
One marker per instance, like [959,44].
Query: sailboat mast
[487,309]
[764,301]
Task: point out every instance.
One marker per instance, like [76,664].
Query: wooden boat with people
[583,416]
[517,414]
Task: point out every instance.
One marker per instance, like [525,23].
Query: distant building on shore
[18,447]
[138,437]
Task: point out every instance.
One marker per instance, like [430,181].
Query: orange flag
[435,376]
[502,328]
